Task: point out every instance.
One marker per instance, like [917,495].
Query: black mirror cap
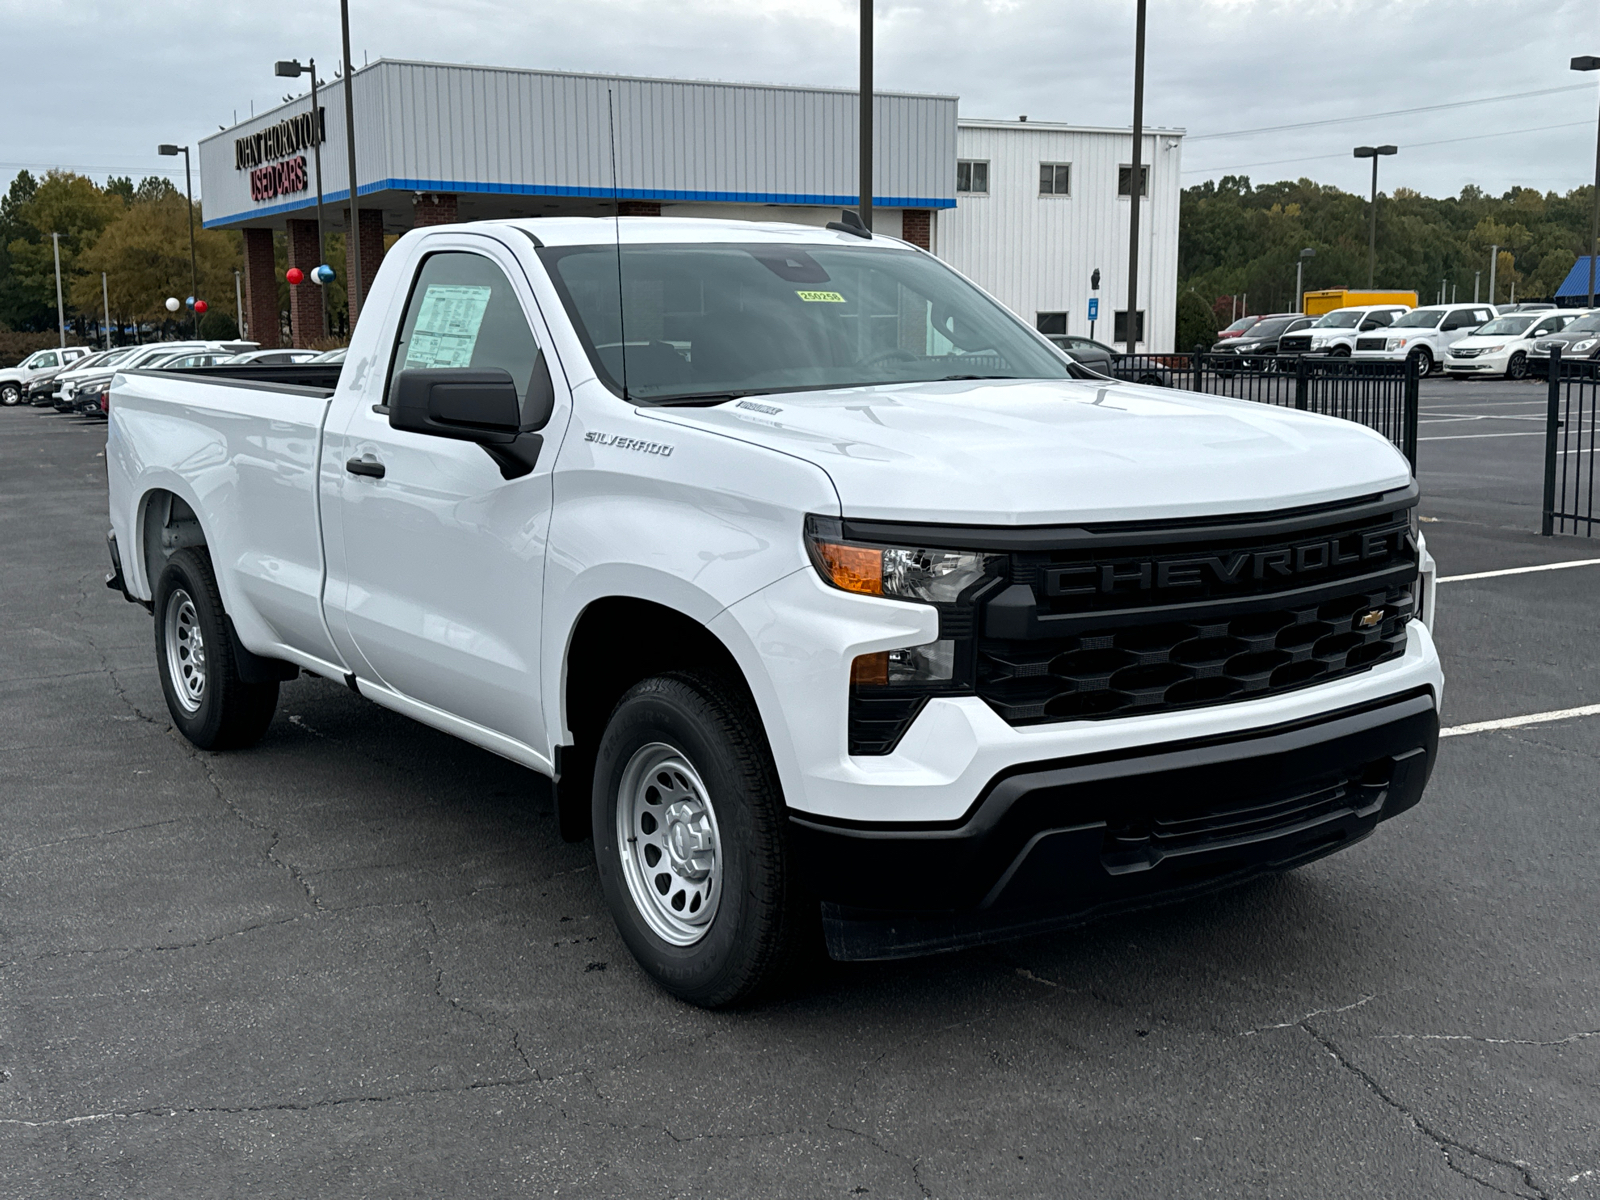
[470,406]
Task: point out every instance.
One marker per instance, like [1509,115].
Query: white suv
[1336,332]
[14,379]
[1424,334]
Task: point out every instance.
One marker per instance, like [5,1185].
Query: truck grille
[1371,343]
[1206,617]
[1294,343]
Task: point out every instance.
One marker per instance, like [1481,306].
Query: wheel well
[618,641]
[166,524]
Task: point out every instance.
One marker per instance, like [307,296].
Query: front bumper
[1055,843]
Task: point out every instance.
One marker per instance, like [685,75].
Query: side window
[464,315]
[1055,179]
[1050,322]
[47,358]
[1380,319]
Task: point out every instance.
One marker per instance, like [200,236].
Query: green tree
[1197,323]
[63,203]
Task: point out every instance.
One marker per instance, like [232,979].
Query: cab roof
[641,231]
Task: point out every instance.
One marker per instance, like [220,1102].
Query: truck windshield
[709,321]
[1345,318]
[1419,318]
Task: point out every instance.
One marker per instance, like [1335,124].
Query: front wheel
[10,394]
[1517,368]
[209,703]
[689,837]
[1424,363]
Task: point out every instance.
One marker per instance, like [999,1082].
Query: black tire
[758,928]
[1341,351]
[1517,368]
[1424,363]
[222,712]
[10,394]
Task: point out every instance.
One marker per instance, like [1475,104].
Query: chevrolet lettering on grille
[1245,566]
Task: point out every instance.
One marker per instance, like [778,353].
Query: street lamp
[354,296]
[1299,277]
[289,70]
[1374,152]
[1591,62]
[1135,179]
[171,151]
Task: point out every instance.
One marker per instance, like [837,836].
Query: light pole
[1135,178]
[61,311]
[105,298]
[1494,265]
[238,302]
[1591,62]
[188,188]
[1477,277]
[289,70]
[354,298]
[865,205]
[1374,153]
[1299,278]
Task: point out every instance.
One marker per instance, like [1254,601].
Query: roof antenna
[616,224]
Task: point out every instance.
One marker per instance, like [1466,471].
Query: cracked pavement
[357,959]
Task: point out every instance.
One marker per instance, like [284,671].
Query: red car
[1245,324]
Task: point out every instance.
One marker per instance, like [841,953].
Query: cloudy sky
[95,86]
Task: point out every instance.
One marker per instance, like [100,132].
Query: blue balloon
[324,274]
[190,301]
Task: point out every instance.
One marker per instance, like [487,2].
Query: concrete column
[638,208]
[260,288]
[305,298]
[433,208]
[371,234]
[916,227]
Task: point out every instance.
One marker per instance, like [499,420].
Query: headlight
[932,663]
[1396,344]
[1586,344]
[901,572]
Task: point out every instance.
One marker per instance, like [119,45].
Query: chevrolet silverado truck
[841,608]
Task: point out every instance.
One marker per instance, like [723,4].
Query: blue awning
[1576,285]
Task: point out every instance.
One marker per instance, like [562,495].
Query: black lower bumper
[1053,844]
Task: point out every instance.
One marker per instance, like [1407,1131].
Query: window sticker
[821,297]
[446,332]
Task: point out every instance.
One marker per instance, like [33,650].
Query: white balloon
[173,304]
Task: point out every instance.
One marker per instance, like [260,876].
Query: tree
[145,256]
[1197,323]
[63,203]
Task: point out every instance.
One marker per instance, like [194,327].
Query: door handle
[364,466]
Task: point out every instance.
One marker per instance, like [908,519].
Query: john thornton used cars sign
[258,153]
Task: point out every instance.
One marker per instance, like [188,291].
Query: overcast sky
[94,86]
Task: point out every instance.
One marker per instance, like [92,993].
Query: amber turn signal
[871,669]
[852,568]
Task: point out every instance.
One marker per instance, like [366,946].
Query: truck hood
[1029,452]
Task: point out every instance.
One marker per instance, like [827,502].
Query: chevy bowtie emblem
[1370,619]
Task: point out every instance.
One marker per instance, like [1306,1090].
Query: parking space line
[1560,566]
[1559,714]
[1447,418]
[1462,437]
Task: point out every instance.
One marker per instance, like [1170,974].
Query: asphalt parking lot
[358,960]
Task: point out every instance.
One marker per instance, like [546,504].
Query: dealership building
[1027,209]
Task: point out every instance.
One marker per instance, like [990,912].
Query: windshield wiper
[694,399]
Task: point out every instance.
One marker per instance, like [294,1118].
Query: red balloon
[200,306]
[294,275]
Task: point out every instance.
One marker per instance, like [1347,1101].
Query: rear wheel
[690,841]
[209,703]
[10,393]
[1517,368]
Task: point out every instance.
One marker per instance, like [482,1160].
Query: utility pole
[354,296]
[865,205]
[105,297]
[1374,153]
[1591,62]
[1299,279]
[1476,276]
[238,302]
[1135,177]
[61,311]
[1494,263]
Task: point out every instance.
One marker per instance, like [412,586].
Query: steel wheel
[669,843]
[10,393]
[186,651]
[1517,368]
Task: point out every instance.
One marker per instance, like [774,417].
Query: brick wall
[431,208]
[638,208]
[260,288]
[916,227]
[305,298]
[371,239]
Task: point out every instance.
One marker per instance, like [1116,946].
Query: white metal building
[1040,206]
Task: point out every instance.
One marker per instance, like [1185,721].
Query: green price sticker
[821,297]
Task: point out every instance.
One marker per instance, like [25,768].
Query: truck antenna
[616,224]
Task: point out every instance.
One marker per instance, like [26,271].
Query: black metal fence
[1573,389]
[1379,395]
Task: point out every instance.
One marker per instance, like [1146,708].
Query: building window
[1125,178]
[972,177]
[1055,179]
[1048,323]
[1119,326]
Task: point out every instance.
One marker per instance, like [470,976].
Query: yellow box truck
[1325,301]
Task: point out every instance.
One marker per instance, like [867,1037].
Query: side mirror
[467,406]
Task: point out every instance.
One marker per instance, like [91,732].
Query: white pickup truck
[841,607]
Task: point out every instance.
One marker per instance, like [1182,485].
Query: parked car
[1336,332]
[336,355]
[1501,347]
[272,357]
[201,358]
[13,380]
[812,631]
[140,356]
[1424,334]
[1238,327]
[92,363]
[1262,339]
[1097,356]
[1580,339]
